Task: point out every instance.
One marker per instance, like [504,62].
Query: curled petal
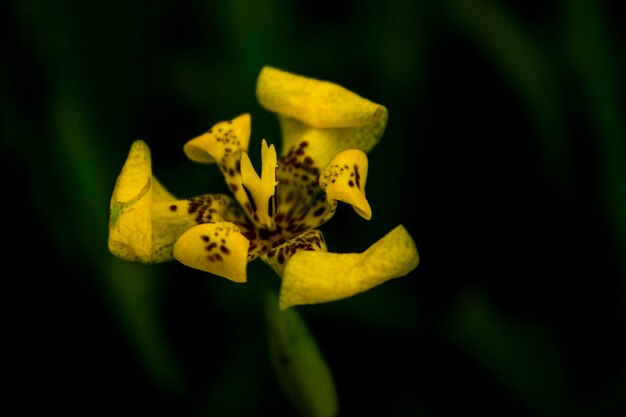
[222,139]
[317,103]
[344,180]
[318,277]
[277,258]
[218,248]
[325,115]
[130,215]
[146,219]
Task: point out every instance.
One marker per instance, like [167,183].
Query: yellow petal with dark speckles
[344,180]
[217,248]
[222,139]
[279,256]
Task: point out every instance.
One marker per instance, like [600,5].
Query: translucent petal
[316,277]
[217,248]
[344,180]
[325,115]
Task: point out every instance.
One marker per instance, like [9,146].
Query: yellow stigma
[261,190]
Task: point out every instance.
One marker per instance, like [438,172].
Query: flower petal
[222,139]
[130,216]
[277,257]
[317,277]
[315,102]
[217,248]
[301,203]
[146,219]
[170,219]
[226,144]
[325,115]
[344,180]
[160,193]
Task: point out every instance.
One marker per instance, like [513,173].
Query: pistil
[261,191]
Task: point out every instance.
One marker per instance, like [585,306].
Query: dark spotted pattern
[224,134]
[298,205]
[211,208]
[309,241]
[210,247]
[337,172]
[301,203]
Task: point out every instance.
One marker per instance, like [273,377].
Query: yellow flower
[327,131]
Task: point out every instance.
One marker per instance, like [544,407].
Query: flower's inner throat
[261,191]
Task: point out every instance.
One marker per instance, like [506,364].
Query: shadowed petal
[218,248]
[315,277]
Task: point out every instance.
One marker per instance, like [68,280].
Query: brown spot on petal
[319,211]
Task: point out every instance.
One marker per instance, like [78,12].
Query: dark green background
[504,157]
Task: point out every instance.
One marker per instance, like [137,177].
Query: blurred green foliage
[504,157]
